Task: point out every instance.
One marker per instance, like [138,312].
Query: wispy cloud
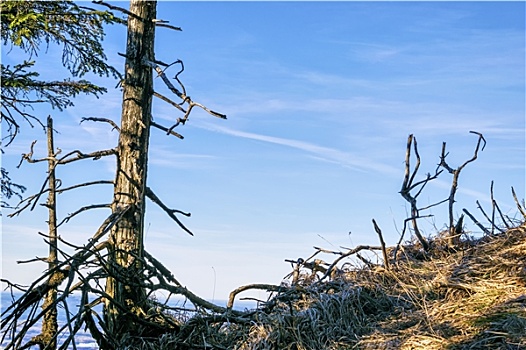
[370,52]
[344,159]
[170,159]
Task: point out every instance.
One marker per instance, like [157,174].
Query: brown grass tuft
[473,297]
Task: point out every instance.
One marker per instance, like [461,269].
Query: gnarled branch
[454,183]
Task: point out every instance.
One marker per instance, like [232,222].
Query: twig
[267,287]
[171,212]
[27,156]
[492,209]
[502,217]
[121,9]
[408,186]
[476,222]
[104,120]
[90,183]
[382,242]
[36,259]
[169,132]
[78,211]
[364,260]
[79,155]
[29,200]
[181,95]
[431,206]
[344,255]
[159,24]
[490,220]
[519,206]
[167,100]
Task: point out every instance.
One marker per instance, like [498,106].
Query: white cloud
[171,159]
[345,159]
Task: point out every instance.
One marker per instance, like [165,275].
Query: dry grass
[471,298]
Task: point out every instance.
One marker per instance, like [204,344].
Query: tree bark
[126,238]
[49,323]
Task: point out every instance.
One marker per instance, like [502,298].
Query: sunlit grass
[472,297]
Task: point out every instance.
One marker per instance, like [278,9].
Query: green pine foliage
[34,25]
[80,30]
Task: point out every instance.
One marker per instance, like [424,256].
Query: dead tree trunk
[126,239]
[49,323]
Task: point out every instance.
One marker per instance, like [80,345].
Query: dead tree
[49,323]
[409,185]
[126,244]
[454,237]
[113,267]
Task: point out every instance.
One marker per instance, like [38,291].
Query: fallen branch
[267,287]
[345,255]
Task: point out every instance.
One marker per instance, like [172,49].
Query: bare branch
[167,100]
[490,220]
[171,212]
[382,242]
[502,217]
[104,120]
[456,174]
[433,205]
[169,132]
[519,206]
[85,184]
[161,268]
[492,208]
[408,185]
[476,222]
[28,156]
[78,155]
[159,24]
[78,211]
[121,9]
[345,255]
[267,287]
[29,200]
[181,95]
[36,259]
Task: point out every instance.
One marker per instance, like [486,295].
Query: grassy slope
[470,298]
[474,298]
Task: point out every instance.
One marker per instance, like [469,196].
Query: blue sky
[320,98]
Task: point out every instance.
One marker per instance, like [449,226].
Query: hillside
[473,297]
